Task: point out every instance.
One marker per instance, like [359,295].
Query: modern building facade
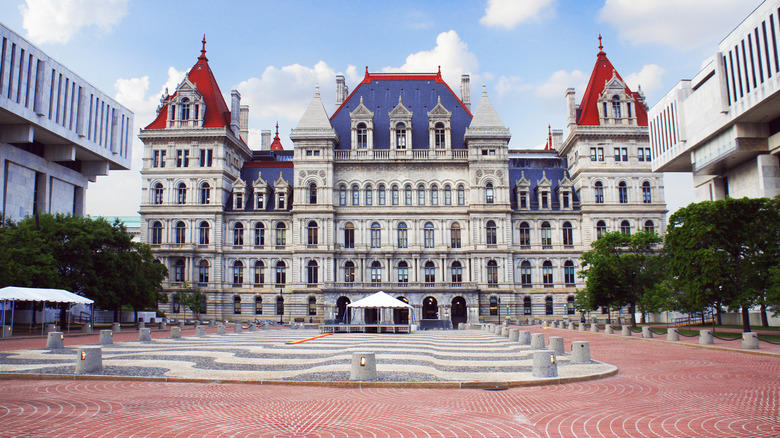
[406,188]
[723,124]
[57,132]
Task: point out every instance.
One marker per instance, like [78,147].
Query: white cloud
[511,84]
[509,13]
[683,25]
[554,88]
[649,78]
[58,20]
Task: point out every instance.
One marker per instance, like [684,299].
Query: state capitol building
[407,188]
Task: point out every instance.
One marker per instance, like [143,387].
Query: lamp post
[280,302]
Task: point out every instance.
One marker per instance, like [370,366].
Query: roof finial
[484,90]
[366,70]
[439,70]
[601,47]
[203,48]
[317,92]
[277,129]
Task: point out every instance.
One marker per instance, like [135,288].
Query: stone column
[580,352]
[750,341]
[672,335]
[363,367]
[705,337]
[544,364]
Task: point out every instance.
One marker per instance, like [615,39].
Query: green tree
[192,298]
[622,270]
[722,253]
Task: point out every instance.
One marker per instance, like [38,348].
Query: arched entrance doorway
[458,311]
[430,308]
[401,316]
[342,316]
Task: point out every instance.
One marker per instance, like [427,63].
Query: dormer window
[185,109]
[239,200]
[281,201]
[362,129]
[616,107]
[400,126]
[438,136]
[362,136]
[400,136]
[260,201]
[439,126]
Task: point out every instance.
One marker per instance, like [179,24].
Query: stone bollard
[212,322]
[55,340]
[252,327]
[647,333]
[145,335]
[705,337]
[7,331]
[200,331]
[625,331]
[544,364]
[514,334]
[238,328]
[608,329]
[106,337]
[555,345]
[546,323]
[750,341]
[363,367]
[580,352]
[537,341]
[175,332]
[220,329]
[571,326]
[89,360]
[86,328]
[672,335]
[181,324]
[162,326]
[594,328]
[582,327]
[524,337]
[505,331]
[141,325]
[116,327]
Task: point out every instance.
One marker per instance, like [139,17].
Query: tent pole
[4,303]
[13,307]
[43,318]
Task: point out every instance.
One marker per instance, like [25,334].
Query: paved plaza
[662,389]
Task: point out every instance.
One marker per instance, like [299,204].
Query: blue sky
[526,52]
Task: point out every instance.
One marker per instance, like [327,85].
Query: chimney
[557,139]
[244,127]
[341,90]
[571,108]
[265,140]
[235,111]
[465,91]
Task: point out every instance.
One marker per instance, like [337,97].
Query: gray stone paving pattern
[424,356]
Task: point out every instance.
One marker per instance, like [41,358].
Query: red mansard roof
[602,72]
[217,113]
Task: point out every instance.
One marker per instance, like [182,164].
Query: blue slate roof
[270,171]
[534,166]
[419,93]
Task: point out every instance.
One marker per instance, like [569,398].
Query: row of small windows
[204,232]
[180,192]
[524,234]
[205,158]
[527,306]
[362,133]
[430,196]
[258,305]
[598,191]
[625,227]
[621,154]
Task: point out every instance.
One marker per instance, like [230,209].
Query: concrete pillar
[524,337]
[594,328]
[200,331]
[220,329]
[625,331]
[544,364]
[141,325]
[162,326]
[7,331]
[571,326]
[555,345]
[608,329]
[212,322]
[86,328]
[144,335]
[252,327]
[505,331]
[181,324]
[106,337]
[580,352]
[537,341]
[705,337]
[238,328]
[750,341]
[175,333]
[363,367]
[582,327]
[89,359]
[514,334]
[647,333]
[55,340]
[116,327]
[672,335]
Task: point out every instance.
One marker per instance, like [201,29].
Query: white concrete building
[57,132]
[723,124]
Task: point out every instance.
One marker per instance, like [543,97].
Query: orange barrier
[308,339]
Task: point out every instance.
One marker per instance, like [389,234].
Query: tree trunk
[764,319]
[116,314]
[632,310]
[702,318]
[63,316]
[642,318]
[746,319]
[135,315]
[719,313]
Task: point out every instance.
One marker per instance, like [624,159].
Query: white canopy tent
[15,293]
[381,300]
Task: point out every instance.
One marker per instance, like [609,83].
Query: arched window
[430,272]
[205,193]
[376,235]
[238,272]
[181,232]
[524,235]
[428,235]
[615,107]
[457,273]
[312,306]
[376,272]
[313,233]
[546,235]
[281,235]
[455,236]
[355,195]
[625,227]
[420,195]
[408,195]
[203,272]
[447,195]
[601,229]
[492,273]
[647,193]
[312,193]
[349,235]
[362,136]
[281,272]
[238,234]
[649,226]
[434,195]
[259,273]
[369,195]
[490,233]
[493,305]
[547,273]
[178,271]
[157,194]
[259,234]
[568,273]
[312,271]
[489,193]
[343,195]
[403,272]
[568,234]
[155,233]
[181,193]
[461,195]
[598,190]
[438,136]
[400,136]
[184,107]
[236,305]
[203,233]
[349,272]
[380,193]
[525,273]
[258,305]
[548,306]
[394,195]
[403,236]
[623,192]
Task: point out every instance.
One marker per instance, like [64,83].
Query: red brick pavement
[662,390]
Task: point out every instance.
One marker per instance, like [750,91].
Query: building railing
[401,154]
